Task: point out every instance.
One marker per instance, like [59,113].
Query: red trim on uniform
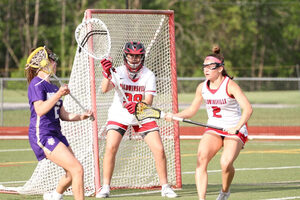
[213,91]
[145,127]
[134,80]
[117,124]
[231,96]
[150,91]
[242,137]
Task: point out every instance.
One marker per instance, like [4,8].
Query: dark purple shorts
[45,142]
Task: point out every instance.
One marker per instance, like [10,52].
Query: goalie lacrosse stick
[143,111]
[95,33]
[39,59]
[92,36]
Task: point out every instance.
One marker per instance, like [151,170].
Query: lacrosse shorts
[240,135]
[46,141]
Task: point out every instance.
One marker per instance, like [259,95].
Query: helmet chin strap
[42,80]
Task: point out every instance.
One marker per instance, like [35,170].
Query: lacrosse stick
[78,103]
[92,36]
[95,33]
[39,59]
[143,111]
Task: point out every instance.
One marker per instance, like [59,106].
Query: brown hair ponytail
[217,54]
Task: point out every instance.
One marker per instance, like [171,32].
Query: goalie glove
[106,66]
[130,106]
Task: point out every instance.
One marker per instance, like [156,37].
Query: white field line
[284,198]
[13,150]
[11,182]
[250,137]
[138,193]
[14,137]
[272,143]
[250,169]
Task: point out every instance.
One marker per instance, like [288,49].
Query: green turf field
[264,170]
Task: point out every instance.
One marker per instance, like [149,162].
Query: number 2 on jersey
[216,110]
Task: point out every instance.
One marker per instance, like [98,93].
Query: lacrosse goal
[135,167]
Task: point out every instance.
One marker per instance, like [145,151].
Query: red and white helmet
[135,48]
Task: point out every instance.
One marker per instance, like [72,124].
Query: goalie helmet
[135,48]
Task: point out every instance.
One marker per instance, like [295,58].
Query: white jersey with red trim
[222,109]
[134,91]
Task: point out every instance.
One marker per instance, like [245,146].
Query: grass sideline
[260,97]
[285,115]
[264,170]
[260,117]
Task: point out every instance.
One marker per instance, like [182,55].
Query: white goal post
[135,167]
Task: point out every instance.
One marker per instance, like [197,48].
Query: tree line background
[259,38]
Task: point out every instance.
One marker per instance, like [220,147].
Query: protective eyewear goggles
[53,57]
[212,66]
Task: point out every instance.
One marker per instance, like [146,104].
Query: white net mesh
[135,167]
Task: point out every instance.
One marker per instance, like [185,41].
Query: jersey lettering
[57,109]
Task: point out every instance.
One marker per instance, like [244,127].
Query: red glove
[106,65]
[130,106]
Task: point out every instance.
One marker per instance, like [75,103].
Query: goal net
[135,167]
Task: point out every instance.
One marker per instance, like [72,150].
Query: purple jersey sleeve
[43,90]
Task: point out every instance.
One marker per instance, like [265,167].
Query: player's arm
[43,107]
[148,99]
[106,85]
[193,108]
[66,116]
[236,91]
[150,90]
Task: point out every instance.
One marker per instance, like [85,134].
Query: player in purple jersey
[223,98]
[45,136]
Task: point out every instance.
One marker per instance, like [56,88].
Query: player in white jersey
[223,99]
[138,84]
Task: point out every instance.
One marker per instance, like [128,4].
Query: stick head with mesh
[39,59]
[143,111]
[92,36]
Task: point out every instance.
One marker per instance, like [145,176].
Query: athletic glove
[130,106]
[106,65]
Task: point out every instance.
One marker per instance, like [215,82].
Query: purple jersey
[45,131]
[43,91]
